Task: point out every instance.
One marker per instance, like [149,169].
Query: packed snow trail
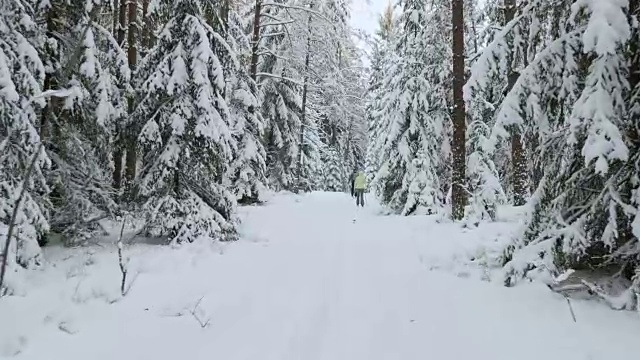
[306,283]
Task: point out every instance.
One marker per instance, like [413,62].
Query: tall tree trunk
[536,162]
[145,36]
[118,152]
[474,31]
[122,22]
[307,59]
[519,166]
[255,40]
[114,14]
[132,56]
[458,191]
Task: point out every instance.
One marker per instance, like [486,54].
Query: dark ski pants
[359,197]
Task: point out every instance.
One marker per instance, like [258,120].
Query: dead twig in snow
[194,312]
[203,324]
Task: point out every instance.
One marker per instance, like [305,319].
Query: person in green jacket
[359,185]
[352,180]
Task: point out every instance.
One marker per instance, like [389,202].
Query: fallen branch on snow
[194,313]
[574,284]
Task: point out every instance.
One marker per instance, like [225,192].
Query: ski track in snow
[307,283]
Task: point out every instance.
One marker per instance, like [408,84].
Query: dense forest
[526,103]
[178,111]
[171,111]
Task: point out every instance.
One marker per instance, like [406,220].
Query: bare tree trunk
[118,152]
[307,59]
[132,56]
[458,192]
[255,40]
[518,161]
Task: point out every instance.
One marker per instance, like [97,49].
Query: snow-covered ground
[304,283]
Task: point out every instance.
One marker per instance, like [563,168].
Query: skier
[359,185]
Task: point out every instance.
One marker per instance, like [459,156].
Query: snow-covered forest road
[307,283]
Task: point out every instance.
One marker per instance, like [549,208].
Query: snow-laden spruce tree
[574,210]
[314,168]
[21,77]
[247,173]
[415,108]
[88,69]
[483,94]
[281,101]
[187,141]
[422,196]
[384,110]
[281,110]
[578,89]
[493,74]
[376,122]
[483,182]
[334,171]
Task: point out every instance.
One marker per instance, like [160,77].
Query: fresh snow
[304,282]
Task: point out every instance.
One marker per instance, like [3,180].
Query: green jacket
[360,182]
